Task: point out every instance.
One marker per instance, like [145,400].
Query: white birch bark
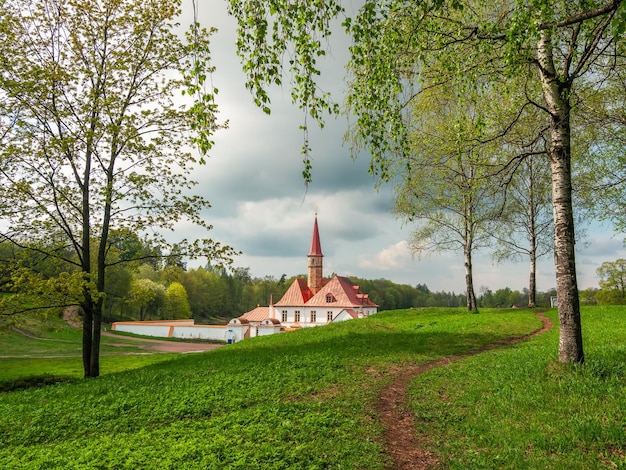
[556,95]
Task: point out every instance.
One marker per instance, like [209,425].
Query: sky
[261,206]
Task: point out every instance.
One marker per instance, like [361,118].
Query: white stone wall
[214,332]
[175,329]
[161,331]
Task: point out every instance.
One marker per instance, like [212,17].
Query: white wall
[200,332]
[175,329]
[147,329]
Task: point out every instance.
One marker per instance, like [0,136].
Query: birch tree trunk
[556,95]
[532,282]
[469,281]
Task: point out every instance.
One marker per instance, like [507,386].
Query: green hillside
[307,400]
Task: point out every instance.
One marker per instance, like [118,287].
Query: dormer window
[329,298]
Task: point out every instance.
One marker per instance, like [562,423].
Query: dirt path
[156,345]
[401,443]
[148,346]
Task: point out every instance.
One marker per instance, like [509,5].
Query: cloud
[392,257]
[261,206]
[603,246]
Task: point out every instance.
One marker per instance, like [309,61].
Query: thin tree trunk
[532,282]
[95,335]
[469,281]
[556,95]
[532,230]
[87,340]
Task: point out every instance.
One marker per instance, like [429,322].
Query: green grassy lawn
[53,349]
[306,400]
[519,408]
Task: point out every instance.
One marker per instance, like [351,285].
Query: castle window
[284,315]
[313,316]
[329,316]
[297,316]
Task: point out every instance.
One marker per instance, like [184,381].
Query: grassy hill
[47,349]
[307,400]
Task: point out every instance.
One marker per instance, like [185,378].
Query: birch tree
[100,140]
[398,45]
[445,184]
[526,229]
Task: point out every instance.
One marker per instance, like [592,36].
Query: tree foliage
[176,303]
[600,142]
[550,51]
[526,224]
[445,182]
[148,297]
[96,143]
[612,276]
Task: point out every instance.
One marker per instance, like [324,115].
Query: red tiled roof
[352,313]
[258,314]
[344,294]
[316,246]
[297,294]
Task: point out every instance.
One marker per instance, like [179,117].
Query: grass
[519,408]
[306,400]
[49,349]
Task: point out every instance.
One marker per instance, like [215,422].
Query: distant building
[312,302]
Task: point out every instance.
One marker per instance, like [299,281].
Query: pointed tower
[314,280]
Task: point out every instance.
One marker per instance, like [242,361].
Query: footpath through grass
[306,400]
[518,408]
[296,400]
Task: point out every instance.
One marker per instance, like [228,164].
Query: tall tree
[444,184]
[398,46]
[612,282]
[526,228]
[176,303]
[97,142]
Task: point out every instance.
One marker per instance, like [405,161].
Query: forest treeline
[164,288]
[217,295]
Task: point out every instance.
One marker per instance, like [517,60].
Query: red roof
[258,314]
[342,294]
[316,246]
[297,294]
[340,289]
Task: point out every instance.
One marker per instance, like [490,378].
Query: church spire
[316,246]
[314,280]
